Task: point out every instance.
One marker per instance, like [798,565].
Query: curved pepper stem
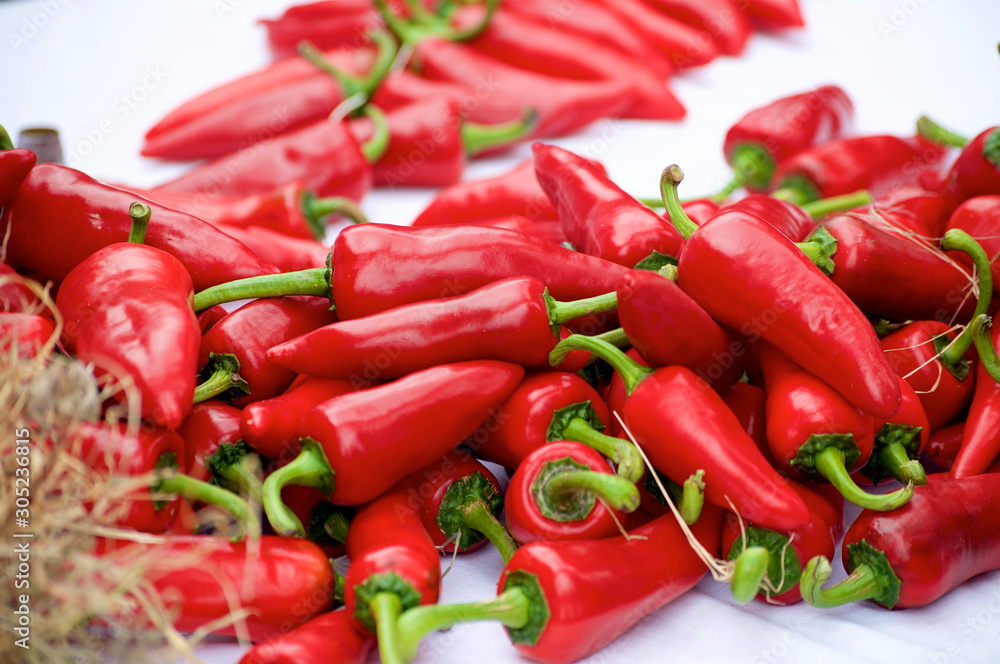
[310,468]
[692,497]
[957,239]
[5,141]
[563,312]
[193,490]
[567,491]
[375,147]
[328,524]
[830,462]
[386,609]
[826,206]
[221,378]
[631,371]
[140,215]
[385,55]
[430,25]
[236,467]
[895,455]
[478,137]
[512,608]
[751,164]
[749,573]
[479,517]
[871,578]
[797,189]
[471,506]
[625,456]
[934,132]
[984,346]
[671,177]
[315,211]
[314,281]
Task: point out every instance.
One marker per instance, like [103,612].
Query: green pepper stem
[669,179]
[862,583]
[243,478]
[932,131]
[430,25]
[478,137]
[615,337]
[511,608]
[387,608]
[631,371]
[825,206]
[624,454]
[563,312]
[315,210]
[385,54]
[830,463]
[375,147]
[225,376]
[619,493]
[650,202]
[5,141]
[693,497]
[478,516]
[957,239]
[749,571]
[193,490]
[797,189]
[984,346]
[314,281]
[140,215]
[336,526]
[310,468]
[897,462]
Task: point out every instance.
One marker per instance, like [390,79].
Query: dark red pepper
[773,14]
[329,637]
[722,19]
[943,445]
[749,405]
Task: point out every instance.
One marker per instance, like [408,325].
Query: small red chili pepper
[899,442]
[327,24]
[722,19]
[915,209]
[460,504]
[749,405]
[355,446]
[249,331]
[15,294]
[263,105]
[329,637]
[31,334]
[773,14]
[376,267]
[597,216]
[59,202]
[514,192]
[562,601]
[979,216]
[210,425]
[196,576]
[770,134]
[781,554]
[943,445]
[976,170]
[430,143]
[748,276]
[15,164]
[513,320]
[682,44]
[286,253]
[683,426]
[667,327]
[566,491]
[948,533]
[980,443]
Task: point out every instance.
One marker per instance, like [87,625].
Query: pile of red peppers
[621,396]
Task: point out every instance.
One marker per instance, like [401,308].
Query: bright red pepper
[773,14]
[597,216]
[15,294]
[547,229]
[288,254]
[899,442]
[211,424]
[682,44]
[912,208]
[981,436]
[59,202]
[976,170]
[979,216]
[749,405]
[948,533]
[284,98]
[329,637]
[249,331]
[722,19]
[30,334]
[513,320]
[514,192]
[326,525]
[943,445]
[790,220]
[14,168]
[355,446]
[326,24]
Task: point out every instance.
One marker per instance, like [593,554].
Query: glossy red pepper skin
[301,155]
[522,422]
[562,106]
[596,590]
[127,309]
[680,43]
[749,277]
[251,330]
[773,14]
[684,426]
[889,274]
[285,571]
[59,202]
[547,229]
[616,394]
[288,254]
[14,168]
[325,24]
[269,426]
[976,170]
[667,327]
[979,216]
[943,445]
[598,217]
[29,332]
[389,547]
[329,637]
[375,437]
[506,320]
[789,219]
[210,424]
[911,207]
[787,126]
[419,264]
[911,351]
[722,19]
[981,436]
[514,192]
[947,533]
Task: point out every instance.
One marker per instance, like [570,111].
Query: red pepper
[513,320]
[210,425]
[394,565]
[329,637]
[566,491]
[979,216]
[31,334]
[683,426]
[460,504]
[722,19]
[429,143]
[323,155]
[197,576]
[772,133]
[355,446]
[617,393]
[748,276]
[682,44]
[514,192]
[326,525]
[976,170]
[773,14]
[948,533]
[912,207]
[14,167]
[15,294]
[265,105]
[269,425]
[59,202]
[749,405]
[288,254]
[980,443]
[667,327]
[327,24]
[899,442]
[597,216]
[376,267]
[547,229]
[789,219]
[127,309]
[528,45]
[786,551]
[943,445]
[249,331]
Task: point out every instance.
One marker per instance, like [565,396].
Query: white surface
[104,72]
